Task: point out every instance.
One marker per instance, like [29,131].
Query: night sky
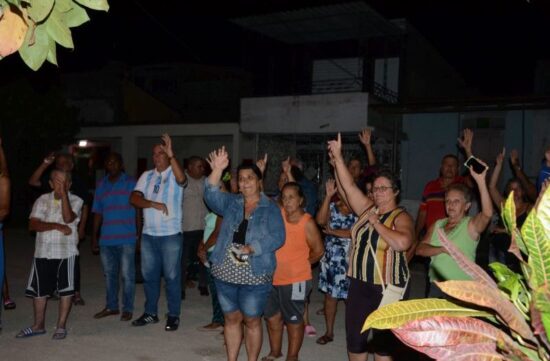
[493,44]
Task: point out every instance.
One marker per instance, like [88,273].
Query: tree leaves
[39,9]
[95,4]
[76,16]
[13,29]
[59,30]
[538,246]
[35,49]
[399,313]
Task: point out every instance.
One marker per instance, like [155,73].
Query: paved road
[111,339]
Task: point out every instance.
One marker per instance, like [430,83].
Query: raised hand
[335,148]
[49,159]
[500,157]
[285,165]
[218,159]
[262,163]
[479,177]
[466,141]
[330,187]
[167,146]
[514,157]
[365,135]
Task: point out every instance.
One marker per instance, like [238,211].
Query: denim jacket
[265,233]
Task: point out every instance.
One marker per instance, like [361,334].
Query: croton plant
[505,317]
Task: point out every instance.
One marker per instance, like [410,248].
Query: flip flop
[29,332]
[270,358]
[59,334]
[323,340]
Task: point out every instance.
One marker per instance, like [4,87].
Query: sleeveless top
[393,264]
[443,267]
[293,257]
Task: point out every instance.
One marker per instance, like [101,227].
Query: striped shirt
[54,244]
[161,187]
[112,201]
[393,264]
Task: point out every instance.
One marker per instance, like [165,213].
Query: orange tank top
[293,257]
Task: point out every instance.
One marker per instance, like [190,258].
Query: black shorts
[289,300]
[363,299]
[50,275]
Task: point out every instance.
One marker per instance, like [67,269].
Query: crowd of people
[253,254]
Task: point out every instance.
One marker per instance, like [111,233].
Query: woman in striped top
[384,230]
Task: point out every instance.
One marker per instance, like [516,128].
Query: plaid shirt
[54,244]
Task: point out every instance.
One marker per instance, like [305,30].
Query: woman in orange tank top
[292,278]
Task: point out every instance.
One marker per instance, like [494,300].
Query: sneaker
[145,319]
[172,323]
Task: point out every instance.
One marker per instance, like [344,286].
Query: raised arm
[496,196]
[365,138]
[358,201]
[324,211]
[34,180]
[179,174]
[218,161]
[530,188]
[466,142]
[478,224]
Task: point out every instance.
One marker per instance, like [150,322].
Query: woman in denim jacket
[243,260]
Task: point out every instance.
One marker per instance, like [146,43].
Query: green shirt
[443,267]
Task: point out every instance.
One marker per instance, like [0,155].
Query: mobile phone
[475,164]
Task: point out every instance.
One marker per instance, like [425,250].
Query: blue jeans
[162,256]
[249,299]
[119,261]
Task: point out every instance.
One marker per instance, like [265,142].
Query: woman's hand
[500,157]
[330,188]
[335,148]
[218,159]
[373,217]
[479,177]
[262,164]
[365,136]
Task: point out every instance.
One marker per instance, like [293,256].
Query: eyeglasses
[157,184]
[381,189]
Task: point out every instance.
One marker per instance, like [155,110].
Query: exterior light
[82,143]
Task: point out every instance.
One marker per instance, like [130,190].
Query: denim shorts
[250,300]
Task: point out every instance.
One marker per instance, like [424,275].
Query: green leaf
[40,9]
[538,246]
[64,5]
[35,48]
[399,313]
[52,52]
[508,215]
[58,30]
[94,4]
[508,280]
[75,16]
[545,317]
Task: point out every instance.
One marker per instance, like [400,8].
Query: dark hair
[115,155]
[452,156]
[509,183]
[296,173]
[356,158]
[194,158]
[462,188]
[298,189]
[252,167]
[385,173]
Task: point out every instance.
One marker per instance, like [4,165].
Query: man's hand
[262,163]
[201,252]
[514,158]
[466,141]
[167,146]
[160,207]
[50,158]
[500,157]
[218,159]
[365,136]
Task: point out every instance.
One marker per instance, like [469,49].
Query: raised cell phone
[475,164]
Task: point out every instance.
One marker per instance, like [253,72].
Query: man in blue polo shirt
[159,192]
[114,235]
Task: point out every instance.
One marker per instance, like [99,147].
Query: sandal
[270,357]
[323,340]
[29,332]
[9,304]
[59,334]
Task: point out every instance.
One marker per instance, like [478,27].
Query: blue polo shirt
[112,201]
